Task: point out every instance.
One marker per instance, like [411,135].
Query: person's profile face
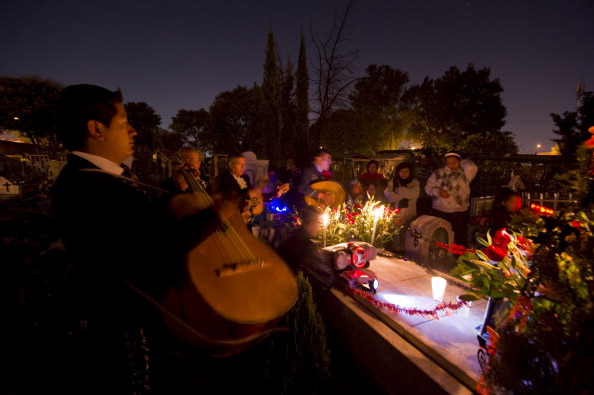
[324,161]
[119,135]
[452,163]
[237,167]
[404,173]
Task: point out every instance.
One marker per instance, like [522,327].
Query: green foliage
[27,107]
[305,360]
[572,126]
[237,116]
[193,127]
[456,106]
[545,345]
[272,122]
[146,122]
[496,143]
[496,280]
[301,127]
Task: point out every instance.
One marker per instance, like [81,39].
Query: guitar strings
[242,248]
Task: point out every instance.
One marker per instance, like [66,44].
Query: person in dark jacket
[302,254]
[318,171]
[115,239]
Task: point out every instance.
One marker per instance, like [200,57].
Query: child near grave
[510,204]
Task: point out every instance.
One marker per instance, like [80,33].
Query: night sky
[180,54]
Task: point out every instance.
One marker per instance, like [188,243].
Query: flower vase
[488,318]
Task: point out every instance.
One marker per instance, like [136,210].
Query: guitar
[236,289]
[330,187]
[255,202]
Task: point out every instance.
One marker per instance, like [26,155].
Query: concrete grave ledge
[406,354]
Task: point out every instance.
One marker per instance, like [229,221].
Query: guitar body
[254,205]
[328,186]
[237,289]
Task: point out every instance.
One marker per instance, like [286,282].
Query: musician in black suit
[191,160]
[232,184]
[114,237]
[318,171]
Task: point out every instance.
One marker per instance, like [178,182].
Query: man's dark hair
[79,104]
[371,162]
[506,193]
[233,156]
[308,214]
[320,152]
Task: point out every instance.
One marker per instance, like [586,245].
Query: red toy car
[352,260]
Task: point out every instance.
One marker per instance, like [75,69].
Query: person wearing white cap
[449,188]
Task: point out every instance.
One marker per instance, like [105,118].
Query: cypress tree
[302,138]
[271,88]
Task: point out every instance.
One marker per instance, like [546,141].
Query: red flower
[502,238]
[576,224]
[495,252]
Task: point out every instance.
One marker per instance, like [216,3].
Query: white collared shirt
[240,181]
[101,162]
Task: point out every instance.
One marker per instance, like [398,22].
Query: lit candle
[438,286]
[325,221]
[377,213]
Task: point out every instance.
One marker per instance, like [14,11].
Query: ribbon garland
[429,314]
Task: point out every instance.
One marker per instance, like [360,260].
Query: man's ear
[95,129]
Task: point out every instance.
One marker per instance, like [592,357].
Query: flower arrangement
[544,344]
[500,270]
[373,223]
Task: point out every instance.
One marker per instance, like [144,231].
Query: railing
[549,200]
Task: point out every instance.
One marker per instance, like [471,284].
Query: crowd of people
[126,251]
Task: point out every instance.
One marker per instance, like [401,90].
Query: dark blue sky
[181,54]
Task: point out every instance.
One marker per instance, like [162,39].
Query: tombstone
[9,189]
[420,241]
[256,169]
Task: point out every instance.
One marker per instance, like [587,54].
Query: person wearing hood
[403,190]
